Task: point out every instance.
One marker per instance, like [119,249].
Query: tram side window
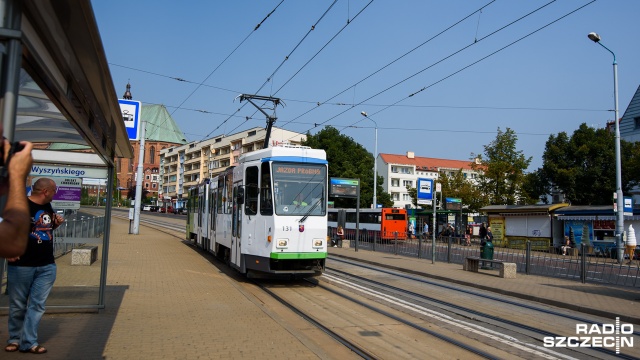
[251,191]
[266,201]
[220,194]
[351,217]
[332,216]
[229,186]
[369,218]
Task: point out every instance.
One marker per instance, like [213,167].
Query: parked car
[146,208]
[181,211]
[168,209]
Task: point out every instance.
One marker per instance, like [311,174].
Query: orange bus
[384,223]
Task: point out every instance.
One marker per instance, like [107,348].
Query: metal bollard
[583,263]
[419,247]
[395,243]
[375,239]
[527,259]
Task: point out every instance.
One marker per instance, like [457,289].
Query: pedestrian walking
[483,232]
[425,230]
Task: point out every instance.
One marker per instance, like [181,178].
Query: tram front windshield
[299,189]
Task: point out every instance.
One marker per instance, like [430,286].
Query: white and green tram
[266,214]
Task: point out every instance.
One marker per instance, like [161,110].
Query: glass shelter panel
[78,242]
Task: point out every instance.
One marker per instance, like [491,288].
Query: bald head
[43,184]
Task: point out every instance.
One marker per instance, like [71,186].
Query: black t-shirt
[40,246]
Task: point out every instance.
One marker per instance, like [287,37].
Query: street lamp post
[619,198]
[375,163]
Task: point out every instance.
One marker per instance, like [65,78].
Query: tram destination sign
[345,188]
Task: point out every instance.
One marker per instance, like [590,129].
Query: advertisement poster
[497,228]
[68,194]
[581,230]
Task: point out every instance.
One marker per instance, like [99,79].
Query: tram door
[236,224]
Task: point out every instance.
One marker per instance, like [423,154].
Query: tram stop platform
[165,300]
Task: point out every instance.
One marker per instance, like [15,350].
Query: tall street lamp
[619,200]
[375,162]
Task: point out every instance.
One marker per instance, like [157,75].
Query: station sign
[425,191]
[453,204]
[345,188]
[131,115]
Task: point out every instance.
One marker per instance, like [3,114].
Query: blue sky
[370,56]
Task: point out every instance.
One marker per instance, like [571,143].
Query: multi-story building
[184,166]
[400,171]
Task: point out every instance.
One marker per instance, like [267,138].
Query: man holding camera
[15,220]
[31,276]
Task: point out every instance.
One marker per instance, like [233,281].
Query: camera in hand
[4,164]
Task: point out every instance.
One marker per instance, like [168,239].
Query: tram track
[471,315]
[460,289]
[380,323]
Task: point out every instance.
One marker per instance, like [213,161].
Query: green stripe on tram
[296,256]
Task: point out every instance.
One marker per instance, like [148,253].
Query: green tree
[502,170]
[348,159]
[534,188]
[583,166]
[458,187]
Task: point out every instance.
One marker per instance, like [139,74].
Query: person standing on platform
[31,276]
[566,246]
[340,234]
[489,234]
[425,230]
[483,232]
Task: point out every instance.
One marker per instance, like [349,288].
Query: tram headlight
[317,243]
[282,243]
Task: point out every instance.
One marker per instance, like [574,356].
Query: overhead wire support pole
[270,119]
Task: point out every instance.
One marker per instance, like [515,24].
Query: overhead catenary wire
[395,60]
[228,56]
[437,62]
[316,54]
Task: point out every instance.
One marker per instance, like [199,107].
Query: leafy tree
[534,188]
[413,194]
[502,170]
[348,159]
[583,166]
[458,187]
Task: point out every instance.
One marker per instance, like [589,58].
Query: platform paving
[164,300]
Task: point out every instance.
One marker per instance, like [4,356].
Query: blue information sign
[131,115]
[627,206]
[425,191]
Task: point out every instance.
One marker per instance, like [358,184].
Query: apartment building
[400,171]
[182,167]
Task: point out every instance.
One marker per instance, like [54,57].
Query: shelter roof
[66,92]
[536,208]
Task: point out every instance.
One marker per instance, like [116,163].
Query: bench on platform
[84,255]
[507,270]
